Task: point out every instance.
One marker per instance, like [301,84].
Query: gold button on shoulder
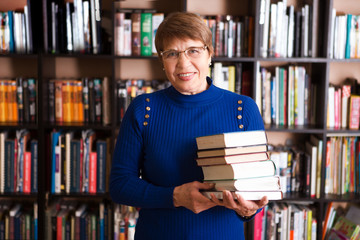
[241,126]
[239,108]
[239,117]
[147,115]
[145,123]
[147,99]
[239,102]
[147,108]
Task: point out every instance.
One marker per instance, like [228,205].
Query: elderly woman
[154,165]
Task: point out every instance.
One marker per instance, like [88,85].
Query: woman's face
[187,74]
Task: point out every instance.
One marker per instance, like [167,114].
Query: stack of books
[238,162]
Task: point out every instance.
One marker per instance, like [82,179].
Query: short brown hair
[182,25]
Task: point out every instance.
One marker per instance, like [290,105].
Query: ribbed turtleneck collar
[208,96]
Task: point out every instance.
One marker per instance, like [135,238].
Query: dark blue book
[75,165]
[9,165]
[17,225]
[83,226]
[101,147]
[34,165]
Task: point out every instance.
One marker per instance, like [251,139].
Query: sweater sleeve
[126,185]
[252,116]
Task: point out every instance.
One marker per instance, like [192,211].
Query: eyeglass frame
[185,51]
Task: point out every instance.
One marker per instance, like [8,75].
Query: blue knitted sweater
[157,141]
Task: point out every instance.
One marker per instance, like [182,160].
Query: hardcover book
[249,195]
[231,151]
[232,139]
[271,183]
[239,170]
[239,158]
[146,34]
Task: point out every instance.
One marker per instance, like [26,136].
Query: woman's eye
[193,51]
[171,54]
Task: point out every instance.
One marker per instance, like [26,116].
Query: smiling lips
[186,76]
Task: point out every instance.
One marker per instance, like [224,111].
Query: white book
[312,151]
[127,37]
[300,96]
[270,183]
[78,9]
[17,32]
[94,39]
[119,33]
[2,161]
[265,20]
[342,36]
[75,34]
[280,29]
[27,30]
[157,19]
[231,36]
[332,33]
[291,32]
[232,139]
[273,30]
[305,50]
[23,34]
[69,36]
[248,195]
[68,137]
[218,77]
[331,110]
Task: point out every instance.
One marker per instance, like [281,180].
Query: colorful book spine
[146,34]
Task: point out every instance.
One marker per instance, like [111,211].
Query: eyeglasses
[191,53]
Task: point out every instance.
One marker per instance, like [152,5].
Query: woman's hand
[188,195]
[240,205]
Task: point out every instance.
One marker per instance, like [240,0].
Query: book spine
[58,102]
[135,33]
[32,99]
[51,99]
[92,172]
[146,34]
[27,172]
[98,100]
[9,165]
[34,165]
[101,166]
[85,99]
[75,164]
[157,18]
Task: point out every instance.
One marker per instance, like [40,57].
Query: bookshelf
[44,66]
